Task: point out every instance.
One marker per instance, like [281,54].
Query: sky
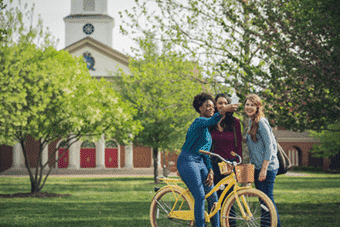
[53,11]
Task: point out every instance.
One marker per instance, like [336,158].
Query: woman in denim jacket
[262,148]
[195,168]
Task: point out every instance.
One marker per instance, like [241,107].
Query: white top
[88,7]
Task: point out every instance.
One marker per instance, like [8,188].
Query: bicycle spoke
[261,213]
[233,218]
[163,207]
[163,204]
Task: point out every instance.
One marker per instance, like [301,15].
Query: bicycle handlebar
[218,156]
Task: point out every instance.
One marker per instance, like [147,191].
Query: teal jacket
[198,136]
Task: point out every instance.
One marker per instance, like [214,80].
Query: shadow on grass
[127,214]
[100,185]
[87,223]
[307,214]
[113,179]
[292,183]
[70,213]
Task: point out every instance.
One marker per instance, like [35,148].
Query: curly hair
[200,99]
[228,122]
[258,115]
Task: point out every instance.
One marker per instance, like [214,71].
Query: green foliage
[161,88]
[49,94]
[2,30]
[304,38]
[17,31]
[330,143]
[311,168]
[288,51]
[214,33]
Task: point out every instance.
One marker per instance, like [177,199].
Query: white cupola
[88,18]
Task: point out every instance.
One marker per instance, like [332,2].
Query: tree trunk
[34,187]
[155,165]
[165,169]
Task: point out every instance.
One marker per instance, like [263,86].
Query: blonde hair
[258,115]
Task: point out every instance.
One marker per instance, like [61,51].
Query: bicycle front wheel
[261,208]
[162,204]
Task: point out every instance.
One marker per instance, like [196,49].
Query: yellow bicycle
[173,205]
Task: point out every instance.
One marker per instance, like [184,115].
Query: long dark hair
[228,123]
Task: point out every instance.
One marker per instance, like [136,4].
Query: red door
[87,157]
[111,157]
[63,160]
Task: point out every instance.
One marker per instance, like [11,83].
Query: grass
[124,201]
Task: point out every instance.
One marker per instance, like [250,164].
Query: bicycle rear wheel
[161,205]
[261,207]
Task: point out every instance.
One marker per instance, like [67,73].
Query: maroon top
[224,142]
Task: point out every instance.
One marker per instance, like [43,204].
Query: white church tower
[88,33]
[89,18]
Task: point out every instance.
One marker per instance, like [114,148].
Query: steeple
[88,7]
[88,18]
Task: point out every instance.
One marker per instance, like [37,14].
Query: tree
[304,38]
[288,51]
[2,31]
[161,88]
[216,34]
[330,143]
[50,95]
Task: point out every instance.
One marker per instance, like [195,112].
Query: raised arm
[207,122]
[229,108]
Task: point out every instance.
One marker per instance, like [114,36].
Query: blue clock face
[88,29]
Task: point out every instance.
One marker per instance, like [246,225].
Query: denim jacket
[265,148]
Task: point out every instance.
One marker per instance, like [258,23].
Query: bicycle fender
[183,191]
[231,194]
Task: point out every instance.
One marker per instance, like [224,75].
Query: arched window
[89,5]
[293,155]
[63,144]
[88,144]
[111,144]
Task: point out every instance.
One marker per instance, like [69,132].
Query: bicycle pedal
[156,189]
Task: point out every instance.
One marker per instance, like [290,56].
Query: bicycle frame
[179,214]
[230,181]
[189,214]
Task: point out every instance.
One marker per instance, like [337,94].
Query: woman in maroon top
[226,137]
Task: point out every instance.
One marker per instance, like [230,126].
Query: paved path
[289,173]
[88,172]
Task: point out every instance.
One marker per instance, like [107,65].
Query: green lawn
[124,201]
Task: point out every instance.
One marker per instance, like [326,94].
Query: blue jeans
[218,176]
[267,186]
[194,172]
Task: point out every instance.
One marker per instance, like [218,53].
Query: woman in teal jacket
[195,168]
